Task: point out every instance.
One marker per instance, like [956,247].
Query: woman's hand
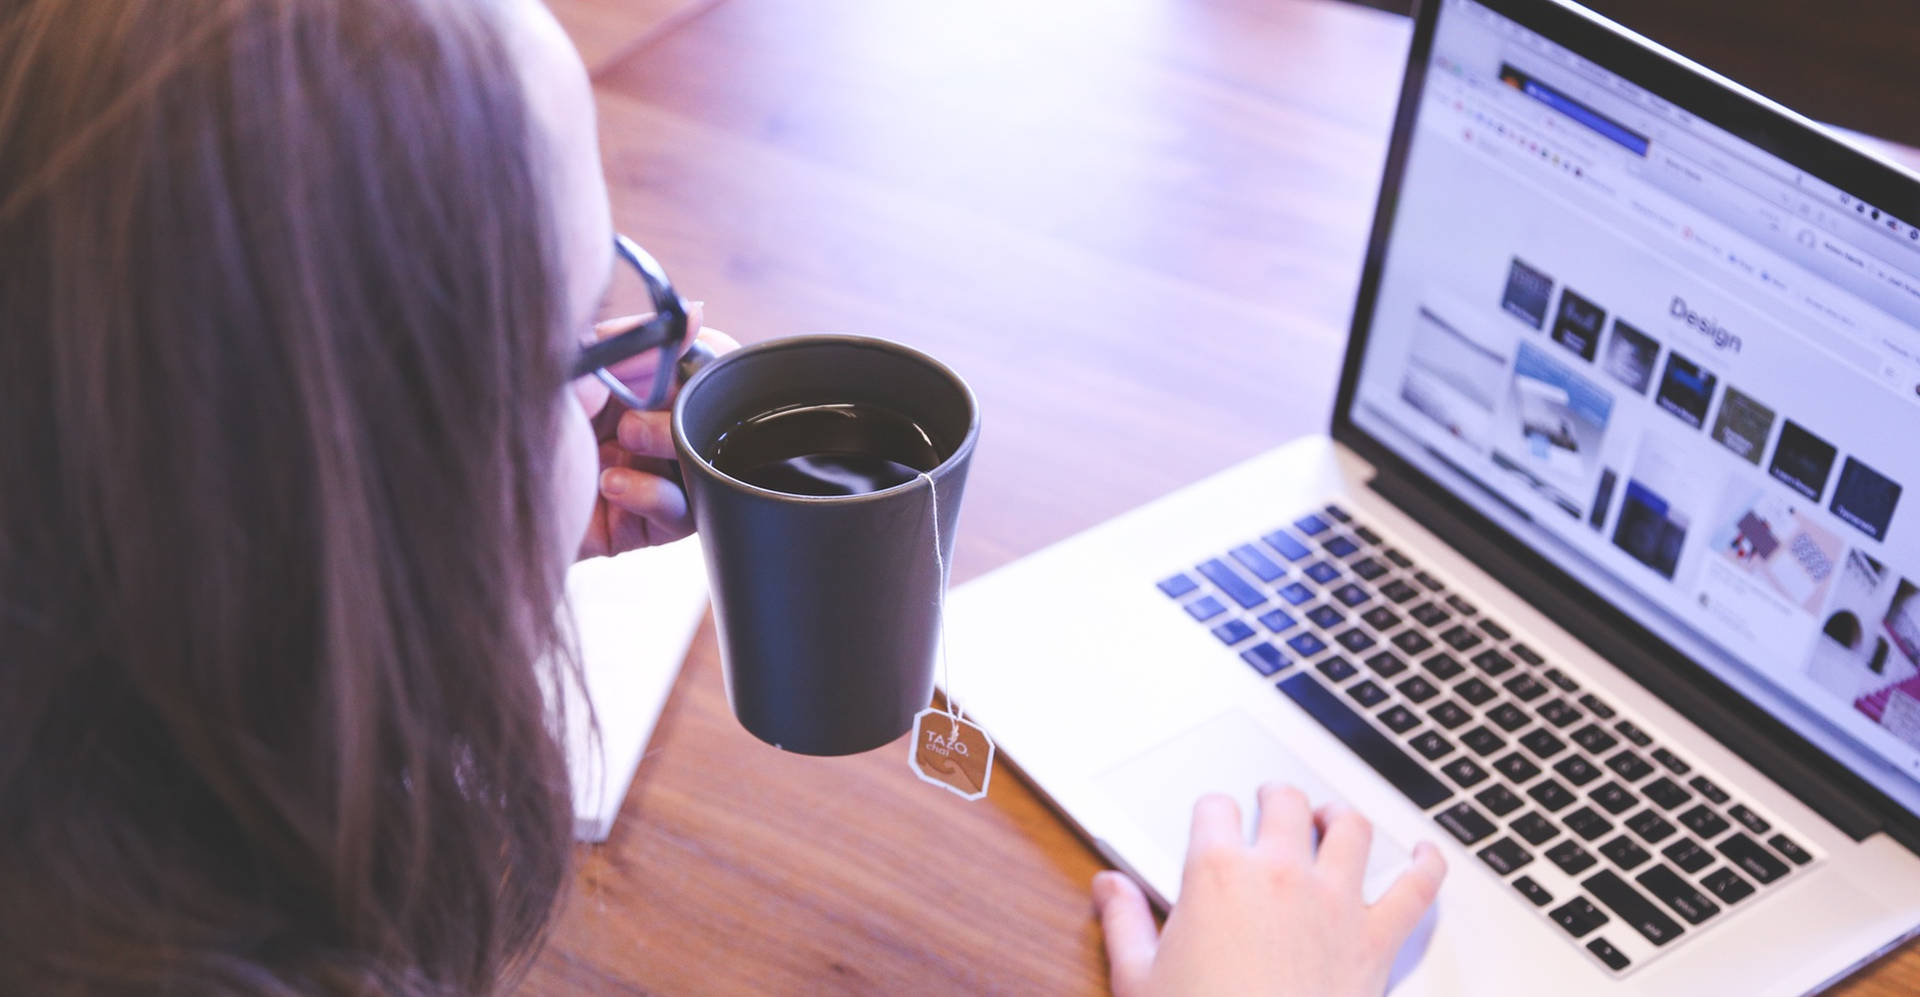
[641,502]
[1273,917]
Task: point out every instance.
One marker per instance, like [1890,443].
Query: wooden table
[1136,227]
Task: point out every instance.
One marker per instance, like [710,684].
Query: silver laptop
[1606,576]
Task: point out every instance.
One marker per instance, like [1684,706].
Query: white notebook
[636,614]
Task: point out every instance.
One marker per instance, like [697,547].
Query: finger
[656,509]
[1345,839]
[647,434]
[1285,828]
[1394,916]
[1216,825]
[591,394]
[1127,923]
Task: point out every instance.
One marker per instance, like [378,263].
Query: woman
[294,461]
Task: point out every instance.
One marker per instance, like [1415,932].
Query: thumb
[1128,924]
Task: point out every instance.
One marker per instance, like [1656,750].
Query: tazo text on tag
[953,753]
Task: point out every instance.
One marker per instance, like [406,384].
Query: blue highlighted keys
[1233,632]
[1278,620]
[1289,548]
[1265,658]
[1205,608]
[1178,585]
[1229,581]
[1260,564]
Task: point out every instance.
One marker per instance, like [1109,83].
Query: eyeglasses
[666,332]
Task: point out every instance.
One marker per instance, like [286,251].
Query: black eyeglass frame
[666,331]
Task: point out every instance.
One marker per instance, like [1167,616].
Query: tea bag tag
[952,753]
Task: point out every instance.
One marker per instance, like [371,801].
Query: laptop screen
[1685,370]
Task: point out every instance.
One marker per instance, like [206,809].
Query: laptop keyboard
[1593,818]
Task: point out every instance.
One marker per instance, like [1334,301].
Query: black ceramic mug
[827,607]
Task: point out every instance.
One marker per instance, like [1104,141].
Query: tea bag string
[940,605]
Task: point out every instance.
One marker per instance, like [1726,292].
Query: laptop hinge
[1769,745]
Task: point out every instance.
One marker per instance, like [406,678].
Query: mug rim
[806,341]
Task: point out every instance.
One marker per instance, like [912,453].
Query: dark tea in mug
[826,449]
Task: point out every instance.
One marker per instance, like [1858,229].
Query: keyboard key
[1367,694]
[1399,719]
[1306,645]
[1516,767]
[1666,793]
[1408,776]
[1505,856]
[1474,691]
[1752,859]
[1596,706]
[1355,640]
[1431,745]
[1321,571]
[1460,638]
[1727,885]
[1337,669]
[1442,666]
[1578,917]
[1432,584]
[1556,712]
[1262,566]
[1492,662]
[1551,795]
[1233,632]
[1560,680]
[1464,608]
[1525,687]
[1702,821]
[1508,717]
[1465,823]
[1398,591]
[1613,798]
[1311,525]
[1688,855]
[1678,894]
[1326,617]
[1650,826]
[1411,642]
[1542,743]
[1483,741]
[1265,658]
[1587,823]
[1499,800]
[1278,620]
[1429,614]
[1535,828]
[1367,568]
[1633,733]
[1570,857]
[1288,546]
[1399,560]
[1340,546]
[1594,738]
[1671,761]
[1528,655]
[1705,787]
[1339,514]
[1536,894]
[1752,821]
[1786,846]
[1464,772]
[1381,618]
[1386,664]
[1205,608]
[1624,852]
[1418,689]
[1449,714]
[1178,585]
[1351,594]
[1608,955]
[1577,770]
[1295,593]
[1229,581]
[1631,907]
[1630,766]
[1366,536]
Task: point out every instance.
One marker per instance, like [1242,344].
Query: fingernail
[612,483]
[1102,888]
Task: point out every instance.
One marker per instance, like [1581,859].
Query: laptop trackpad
[1229,754]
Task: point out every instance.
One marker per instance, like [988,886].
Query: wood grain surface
[1135,226]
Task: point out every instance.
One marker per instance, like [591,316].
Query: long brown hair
[280,368]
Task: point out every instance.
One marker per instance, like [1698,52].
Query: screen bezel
[1816,777]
